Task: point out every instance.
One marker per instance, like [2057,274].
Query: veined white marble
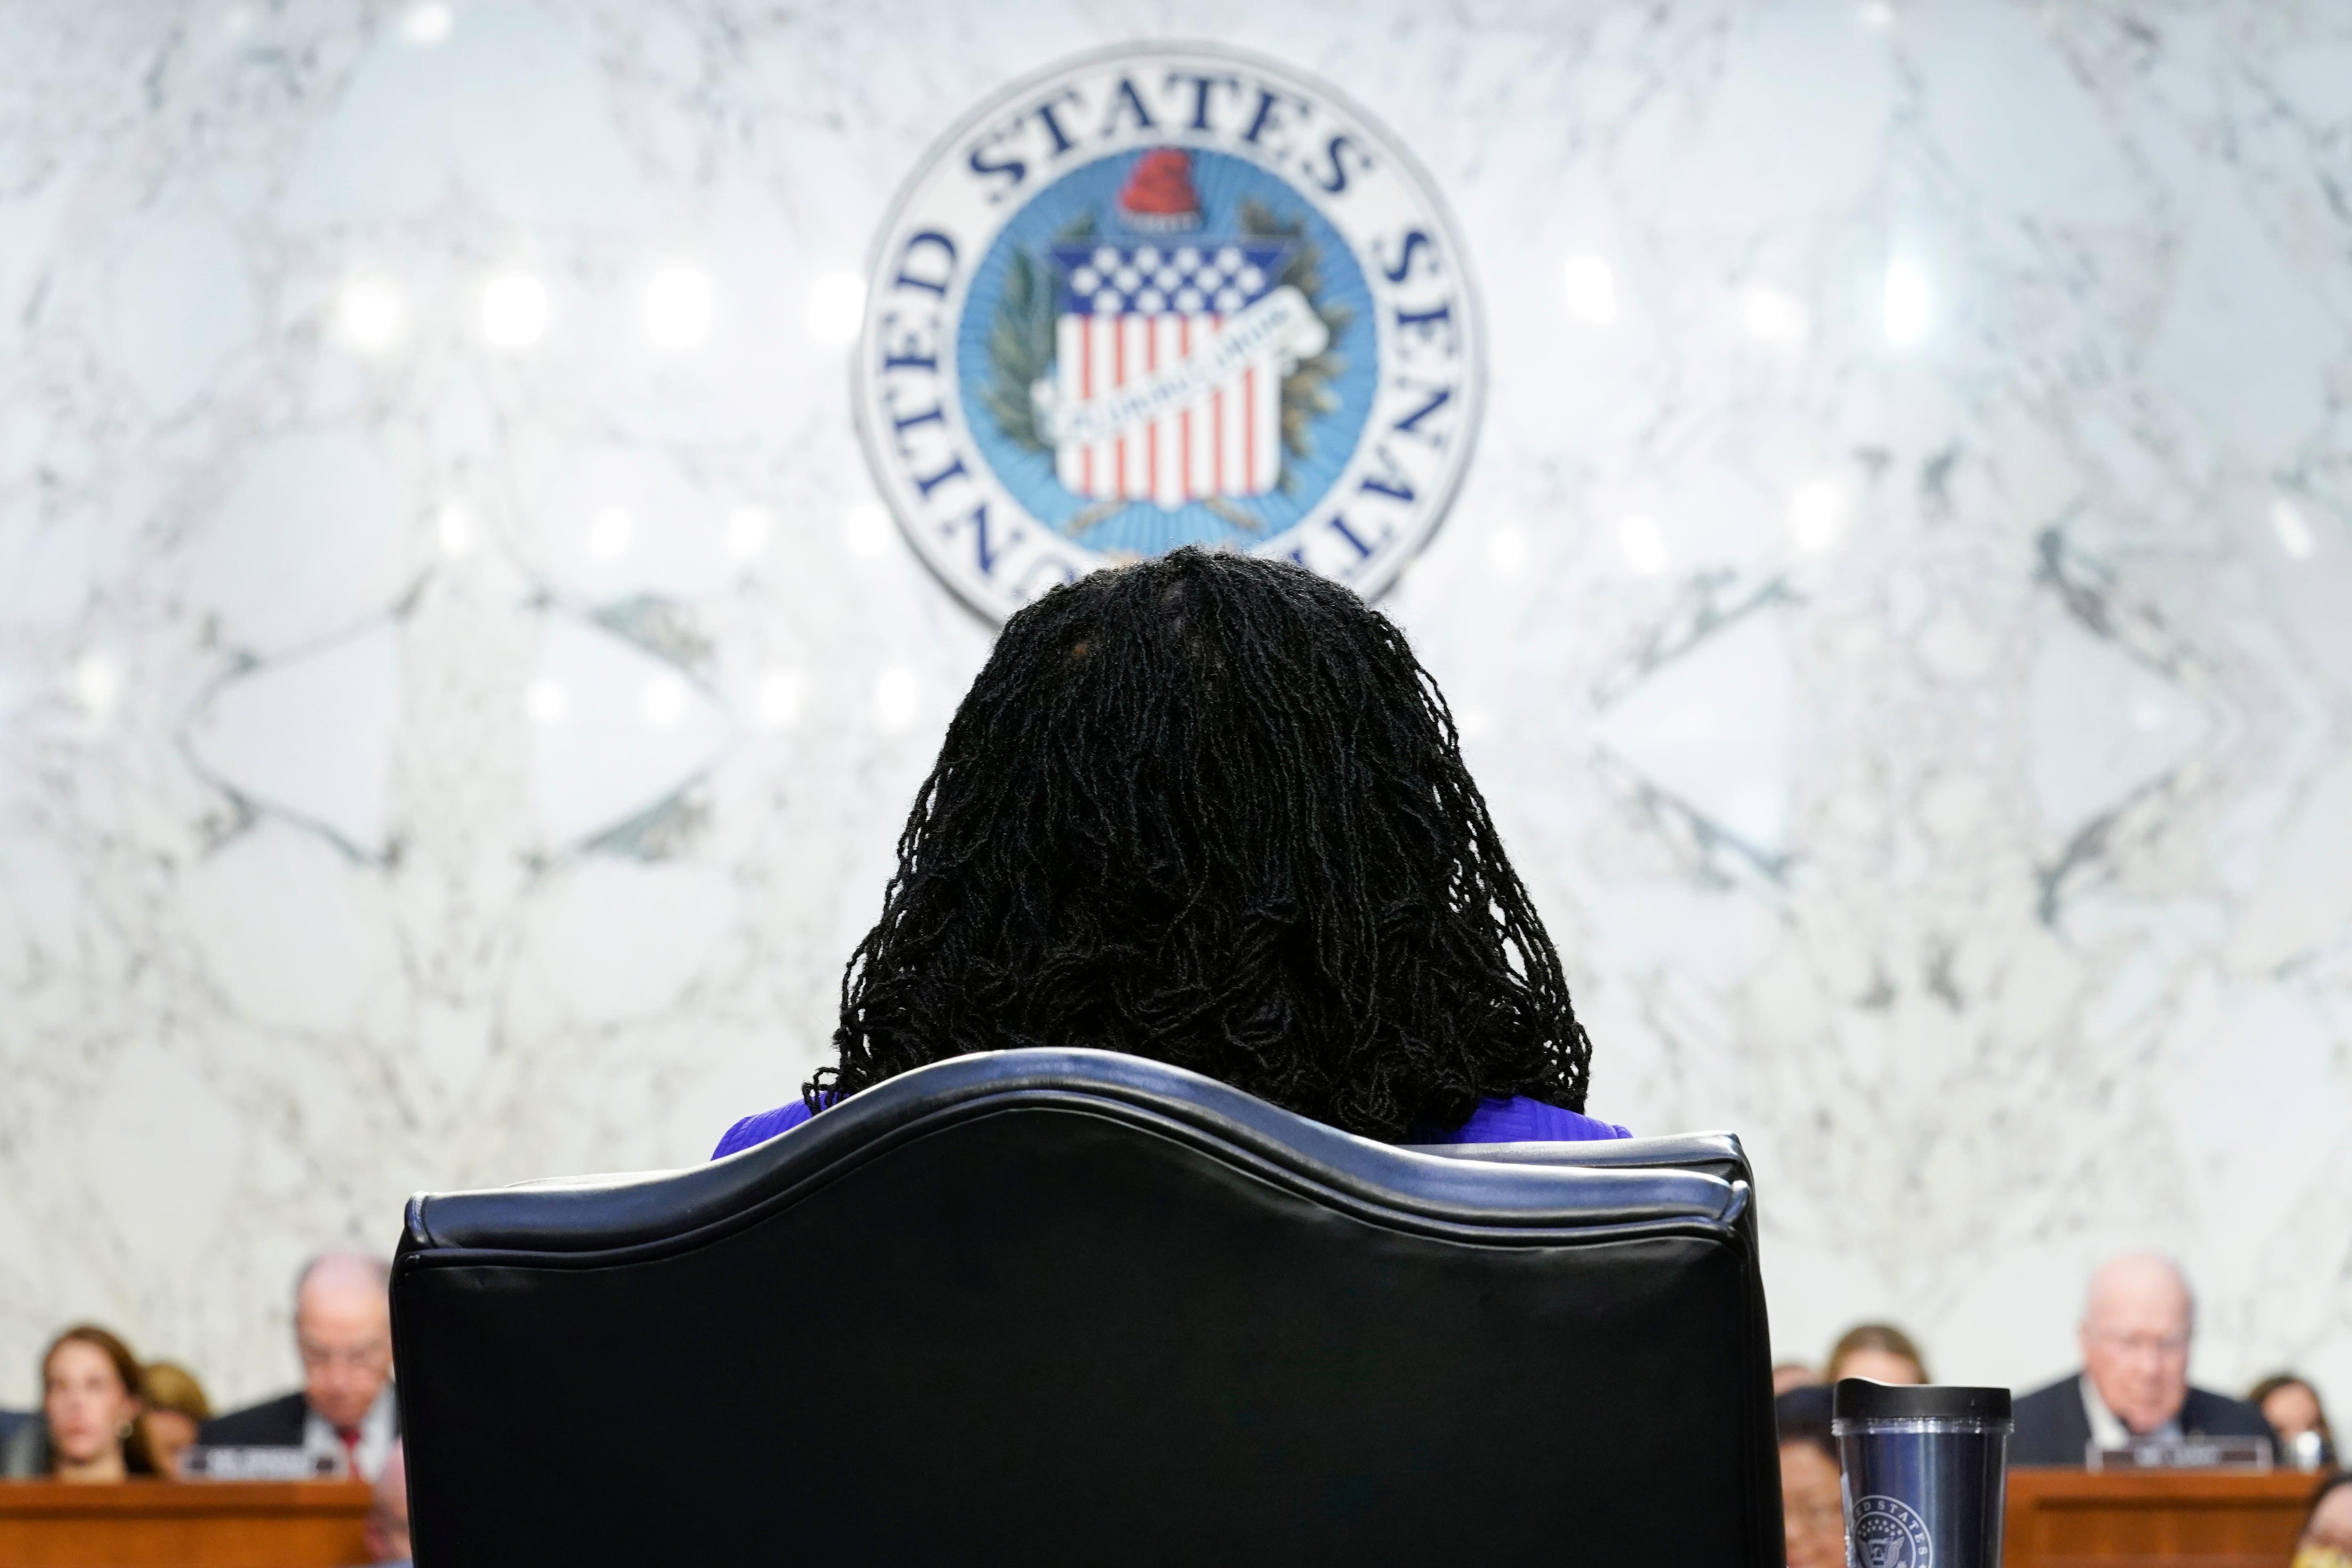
[1897,608]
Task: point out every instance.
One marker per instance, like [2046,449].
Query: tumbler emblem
[1166,295]
[1888,1533]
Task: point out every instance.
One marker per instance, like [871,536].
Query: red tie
[350,1436]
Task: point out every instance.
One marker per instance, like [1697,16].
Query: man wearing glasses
[2134,1378]
[347,1410]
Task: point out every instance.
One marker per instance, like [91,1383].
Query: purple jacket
[1517,1120]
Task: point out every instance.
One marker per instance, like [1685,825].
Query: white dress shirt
[376,1431]
[2108,1428]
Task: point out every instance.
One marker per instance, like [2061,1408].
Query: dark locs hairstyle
[1210,809]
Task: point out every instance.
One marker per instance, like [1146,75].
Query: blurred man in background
[2135,1379]
[347,1409]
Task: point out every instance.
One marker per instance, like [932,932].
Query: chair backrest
[1079,1307]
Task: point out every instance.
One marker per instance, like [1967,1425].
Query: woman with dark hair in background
[88,1429]
[2291,1407]
[1210,809]
[1880,1352]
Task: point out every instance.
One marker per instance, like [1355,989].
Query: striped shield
[1168,366]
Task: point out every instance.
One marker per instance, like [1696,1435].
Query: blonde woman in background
[1880,1352]
[174,1404]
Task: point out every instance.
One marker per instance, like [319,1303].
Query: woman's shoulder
[1520,1119]
[759,1128]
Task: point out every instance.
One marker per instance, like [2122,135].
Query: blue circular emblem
[1167,296]
[1888,1533]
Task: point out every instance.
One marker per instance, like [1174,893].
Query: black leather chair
[1074,1306]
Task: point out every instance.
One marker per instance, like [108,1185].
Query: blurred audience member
[1792,1375]
[1880,1352]
[347,1408]
[2135,1379]
[1811,1511]
[173,1407]
[387,1520]
[2327,1541]
[2291,1407]
[89,1428]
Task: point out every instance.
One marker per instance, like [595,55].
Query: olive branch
[1021,341]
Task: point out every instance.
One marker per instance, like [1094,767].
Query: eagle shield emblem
[1163,297]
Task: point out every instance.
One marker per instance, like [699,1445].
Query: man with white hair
[347,1409]
[2135,1379]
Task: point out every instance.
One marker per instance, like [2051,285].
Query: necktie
[350,1436]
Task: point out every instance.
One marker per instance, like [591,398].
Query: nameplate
[2182,1454]
[226,1464]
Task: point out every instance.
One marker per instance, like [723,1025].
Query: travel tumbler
[1924,1471]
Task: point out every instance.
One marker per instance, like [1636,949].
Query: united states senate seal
[1888,1533]
[1159,296]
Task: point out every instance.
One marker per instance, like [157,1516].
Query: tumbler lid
[1860,1399]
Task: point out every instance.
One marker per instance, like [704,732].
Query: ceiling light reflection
[544,700]
[1643,543]
[865,530]
[836,307]
[779,699]
[1907,303]
[665,701]
[1592,289]
[1817,514]
[608,533]
[367,313]
[894,701]
[428,23]
[1775,316]
[514,310]
[97,682]
[677,307]
[747,532]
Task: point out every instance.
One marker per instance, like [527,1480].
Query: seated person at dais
[173,1406]
[347,1411]
[2326,1540]
[88,1426]
[1879,1351]
[1793,1375]
[387,1517]
[1812,1508]
[2291,1407]
[2134,1335]
[1210,809]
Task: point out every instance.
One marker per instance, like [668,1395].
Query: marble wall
[1897,609]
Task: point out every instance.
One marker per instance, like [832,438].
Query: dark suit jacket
[2053,1427]
[273,1424]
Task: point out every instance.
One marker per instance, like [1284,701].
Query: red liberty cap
[1158,193]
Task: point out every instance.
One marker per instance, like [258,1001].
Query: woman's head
[174,1407]
[89,1393]
[1811,1512]
[2291,1405]
[1210,809]
[1879,1351]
